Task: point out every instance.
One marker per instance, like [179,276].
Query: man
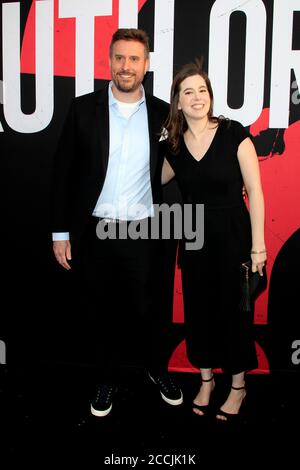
[108,176]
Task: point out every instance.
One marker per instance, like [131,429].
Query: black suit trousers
[123,282]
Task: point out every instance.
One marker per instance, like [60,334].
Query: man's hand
[62,252]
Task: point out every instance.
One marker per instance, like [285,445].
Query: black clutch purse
[252,284]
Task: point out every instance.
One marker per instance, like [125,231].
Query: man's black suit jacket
[82,159]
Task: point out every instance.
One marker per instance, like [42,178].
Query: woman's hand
[258,262]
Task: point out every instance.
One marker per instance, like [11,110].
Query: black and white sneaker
[170,392]
[102,403]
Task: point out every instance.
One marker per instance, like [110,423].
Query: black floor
[44,414]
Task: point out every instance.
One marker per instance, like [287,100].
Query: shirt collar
[113,102]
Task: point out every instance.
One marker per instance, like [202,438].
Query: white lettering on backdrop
[284,59]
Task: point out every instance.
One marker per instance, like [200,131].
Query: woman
[212,158]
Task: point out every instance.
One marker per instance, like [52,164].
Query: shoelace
[104,391]
[167,383]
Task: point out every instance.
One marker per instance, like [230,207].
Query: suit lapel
[102,129]
[154,129]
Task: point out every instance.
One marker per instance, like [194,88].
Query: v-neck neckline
[207,151]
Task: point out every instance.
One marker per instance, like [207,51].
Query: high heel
[203,408]
[230,417]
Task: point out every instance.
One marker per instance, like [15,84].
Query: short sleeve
[240,132]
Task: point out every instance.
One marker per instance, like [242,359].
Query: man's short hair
[131,34]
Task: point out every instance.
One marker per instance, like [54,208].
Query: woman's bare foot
[233,403]
[201,401]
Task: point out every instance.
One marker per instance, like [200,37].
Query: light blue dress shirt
[126,193]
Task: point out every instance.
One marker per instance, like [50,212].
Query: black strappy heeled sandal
[203,408]
[230,417]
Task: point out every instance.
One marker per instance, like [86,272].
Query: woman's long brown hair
[176,124]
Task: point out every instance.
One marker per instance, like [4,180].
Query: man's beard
[121,86]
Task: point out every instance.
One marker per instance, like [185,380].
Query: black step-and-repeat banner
[53,50]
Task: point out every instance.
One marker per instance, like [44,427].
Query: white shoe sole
[101,413]
[177,402]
